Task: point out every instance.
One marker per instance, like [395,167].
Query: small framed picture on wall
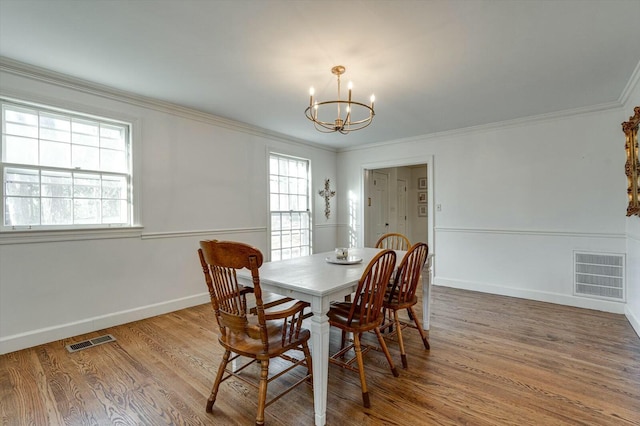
[422,210]
[422,196]
[422,183]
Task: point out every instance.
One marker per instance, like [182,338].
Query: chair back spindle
[367,302]
[393,241]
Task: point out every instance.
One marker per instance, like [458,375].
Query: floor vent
[90,343]
[599,275]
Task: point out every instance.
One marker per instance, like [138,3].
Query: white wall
[632,310]
[202,177]
[517,200]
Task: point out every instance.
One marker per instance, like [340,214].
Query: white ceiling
[433,65]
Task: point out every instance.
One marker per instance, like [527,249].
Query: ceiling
[433,66]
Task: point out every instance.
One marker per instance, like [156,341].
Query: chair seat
[394,303]
[339,316]
[243,345]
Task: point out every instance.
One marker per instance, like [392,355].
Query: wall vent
[75,347]
[599,275]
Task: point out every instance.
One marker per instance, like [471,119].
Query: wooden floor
[493,361]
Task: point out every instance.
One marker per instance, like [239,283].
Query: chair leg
[308,360]
[216,384]
[425,341]
[262,391]
[363,380]
[383,345]
[403,354]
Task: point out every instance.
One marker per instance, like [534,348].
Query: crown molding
[517,122]
[631,85]
[63,80]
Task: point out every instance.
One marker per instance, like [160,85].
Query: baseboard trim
[29,339]
[540,296]
[633,320]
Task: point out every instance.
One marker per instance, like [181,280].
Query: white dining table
[314,280]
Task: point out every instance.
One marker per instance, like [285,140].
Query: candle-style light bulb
[311,93]
[350,86]
[373,99]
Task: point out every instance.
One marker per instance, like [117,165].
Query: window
[63,170]
[289,207]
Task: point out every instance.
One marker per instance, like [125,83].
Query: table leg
[320,355]
[426,293]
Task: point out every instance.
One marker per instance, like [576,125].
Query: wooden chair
[259,337]
[402,295]
[393,241]
[364,314]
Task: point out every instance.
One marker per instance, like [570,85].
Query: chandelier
[351,115]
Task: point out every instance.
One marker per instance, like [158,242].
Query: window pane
[295,238]
[273,165]
[275,222]
[286,221]
[283,164]
[302,186]
[293,202]
[286,239]
[284,203]
[304,220]
[20,150]
[86,211]
[286,253]
[114,187]
[114,211]
[275,202]
[304,237]
[55,154]
[273,184]
[85,132]
[25,116]
[113,161]
[275,240]
[21,130]
[22,211]
[86,186]
[56,211]
[24,182]
[112,137]
[85,157]
[57,184]
[55,127]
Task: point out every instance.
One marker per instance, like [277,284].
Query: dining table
[320,279]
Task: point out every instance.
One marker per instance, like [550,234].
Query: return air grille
[90,343]
[599,275]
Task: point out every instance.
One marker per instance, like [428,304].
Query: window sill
[49,236]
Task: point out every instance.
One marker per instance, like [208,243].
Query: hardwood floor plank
[494,360]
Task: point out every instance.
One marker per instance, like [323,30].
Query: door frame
[413,161]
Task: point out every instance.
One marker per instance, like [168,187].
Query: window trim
[84,232]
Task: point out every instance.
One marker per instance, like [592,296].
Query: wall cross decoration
[327,194]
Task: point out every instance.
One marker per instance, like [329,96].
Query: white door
[380,205]
[402,207]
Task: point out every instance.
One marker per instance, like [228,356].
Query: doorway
[396,201]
